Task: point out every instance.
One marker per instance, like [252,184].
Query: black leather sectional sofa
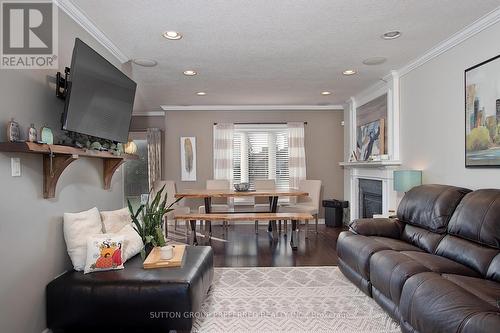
[436,266]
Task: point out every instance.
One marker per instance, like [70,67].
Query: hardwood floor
[243,248]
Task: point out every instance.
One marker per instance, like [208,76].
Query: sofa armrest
[384,227]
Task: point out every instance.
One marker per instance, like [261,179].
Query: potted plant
[148,220]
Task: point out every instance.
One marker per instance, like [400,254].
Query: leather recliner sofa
[436,266]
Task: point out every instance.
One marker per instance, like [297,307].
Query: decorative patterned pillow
[114,220]
[77,228]
[104,253]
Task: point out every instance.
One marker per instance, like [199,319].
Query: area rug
[288,299]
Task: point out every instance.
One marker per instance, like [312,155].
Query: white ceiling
[250,52]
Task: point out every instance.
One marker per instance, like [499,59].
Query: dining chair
[307,204]
[218,204]
[170,191]
[262,203]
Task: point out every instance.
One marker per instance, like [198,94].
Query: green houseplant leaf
[148,219]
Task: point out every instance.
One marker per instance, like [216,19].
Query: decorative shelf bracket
[110,167]
[53,167]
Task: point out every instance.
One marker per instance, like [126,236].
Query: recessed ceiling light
[190,72]
[145,62]
[326,93]
[349,72]
[172,35]
[391,34]
[374,61]
[201,93]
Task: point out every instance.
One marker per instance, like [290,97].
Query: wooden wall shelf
[56,159]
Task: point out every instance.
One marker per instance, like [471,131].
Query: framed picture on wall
[370,139]
[482,114]
[188,158]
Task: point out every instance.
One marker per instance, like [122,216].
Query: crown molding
[251,107]
[84,21]
[471,30]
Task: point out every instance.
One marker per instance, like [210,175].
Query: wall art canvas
[482,114]
[370,139]
[188,158]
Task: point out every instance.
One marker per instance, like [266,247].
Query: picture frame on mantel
[482,114]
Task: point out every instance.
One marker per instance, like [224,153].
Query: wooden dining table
[273,196]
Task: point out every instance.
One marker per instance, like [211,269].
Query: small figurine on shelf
[13,131]
[46,135]
[32,135]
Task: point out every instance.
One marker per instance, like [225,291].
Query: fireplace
[370,197]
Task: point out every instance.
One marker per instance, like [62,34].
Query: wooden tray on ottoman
[154,260]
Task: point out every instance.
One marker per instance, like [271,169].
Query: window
[260,152]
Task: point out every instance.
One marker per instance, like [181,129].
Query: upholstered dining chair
[170,191]
[262,203]
[218,204]
[309,204]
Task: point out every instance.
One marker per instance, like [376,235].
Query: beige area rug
[289,299]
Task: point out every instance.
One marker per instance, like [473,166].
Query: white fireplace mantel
[385,175]
[376,170]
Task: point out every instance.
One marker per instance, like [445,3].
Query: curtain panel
[296,154]
[223,151]
[153,137]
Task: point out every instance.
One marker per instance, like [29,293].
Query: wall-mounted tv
[100,98]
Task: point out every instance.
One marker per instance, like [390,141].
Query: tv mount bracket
[62,84]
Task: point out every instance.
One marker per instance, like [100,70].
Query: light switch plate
[15,165]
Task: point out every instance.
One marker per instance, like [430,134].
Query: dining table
[273,195]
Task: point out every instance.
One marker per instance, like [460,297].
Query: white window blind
[260,151]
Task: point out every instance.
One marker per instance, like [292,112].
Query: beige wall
[324,138]
[432,115]
[31,234]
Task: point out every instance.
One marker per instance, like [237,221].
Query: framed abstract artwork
[370,139]
[482,114]
[188,158]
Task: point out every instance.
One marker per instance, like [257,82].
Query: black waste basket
[334,212]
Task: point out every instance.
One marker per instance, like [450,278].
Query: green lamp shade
[405,180]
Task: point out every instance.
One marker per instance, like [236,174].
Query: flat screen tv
[100,98]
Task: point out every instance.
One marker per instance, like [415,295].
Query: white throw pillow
[114,220]
[104,253]
[133,242]
[77,228]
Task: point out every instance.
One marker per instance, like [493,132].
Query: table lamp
[405,180]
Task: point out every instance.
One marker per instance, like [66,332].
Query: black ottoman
[132,299]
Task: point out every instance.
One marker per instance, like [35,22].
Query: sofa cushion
[432,303]
[389,270]
[468,253]
[384,227]
[477,218]
[356,250]
[488,291]
[430,206]
[424,239]
[493,272]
